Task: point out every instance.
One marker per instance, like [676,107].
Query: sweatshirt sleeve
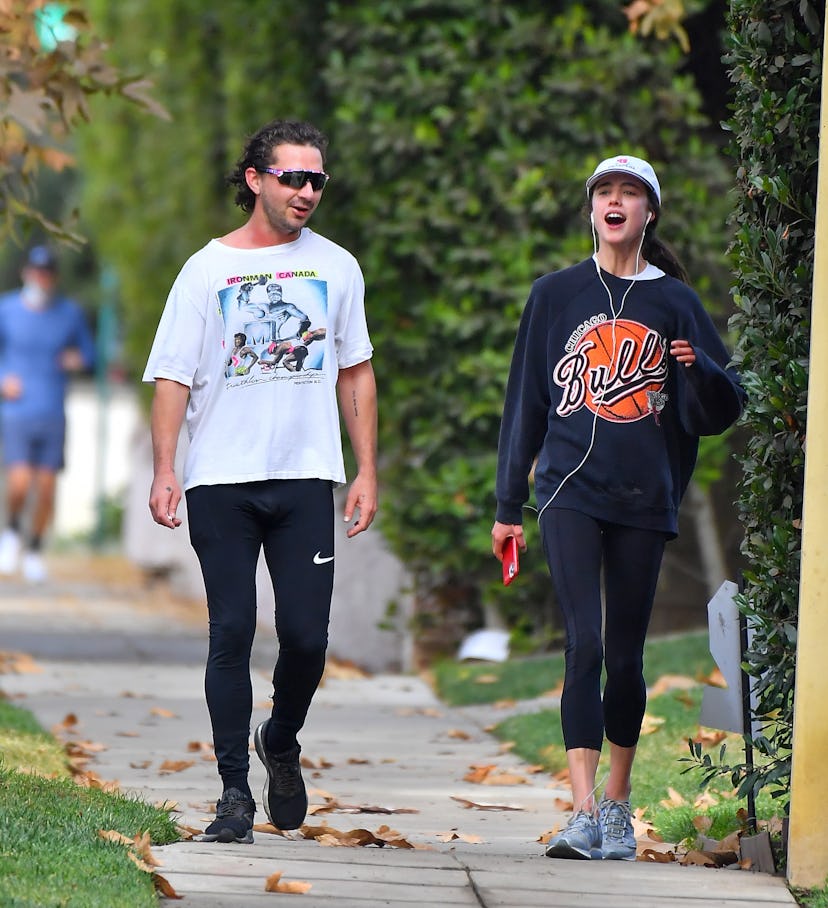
[525,411]
[711,396]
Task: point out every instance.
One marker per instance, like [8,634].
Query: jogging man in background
[44,338]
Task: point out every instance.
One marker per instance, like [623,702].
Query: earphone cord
[615,316]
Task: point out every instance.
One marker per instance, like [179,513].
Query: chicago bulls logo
[623,387]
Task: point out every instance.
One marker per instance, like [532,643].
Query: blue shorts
[36,442]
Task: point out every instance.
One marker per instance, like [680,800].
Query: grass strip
[467,683]
[50,850]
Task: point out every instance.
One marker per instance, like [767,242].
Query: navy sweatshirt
[573,360]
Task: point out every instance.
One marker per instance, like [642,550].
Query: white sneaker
[34,570]
[9,552]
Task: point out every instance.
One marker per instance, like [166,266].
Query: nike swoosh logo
[318,559]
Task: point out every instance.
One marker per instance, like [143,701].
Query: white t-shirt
[259,336]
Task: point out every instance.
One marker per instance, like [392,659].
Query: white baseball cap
[624,163]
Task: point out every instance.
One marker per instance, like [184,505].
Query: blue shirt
[31,344]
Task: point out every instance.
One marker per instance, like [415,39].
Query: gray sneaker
[580,838]
[617,836]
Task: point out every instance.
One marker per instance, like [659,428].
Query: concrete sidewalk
[127,661]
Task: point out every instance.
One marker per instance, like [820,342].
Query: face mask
[34,296]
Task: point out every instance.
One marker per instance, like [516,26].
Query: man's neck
[253,235]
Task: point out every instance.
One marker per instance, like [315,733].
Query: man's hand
[362,497]
[11,387]
[71,360]
[165,495]
[501,532]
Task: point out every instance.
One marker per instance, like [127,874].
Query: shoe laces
[232,804]
[615,816]
[581,818]
[286,777]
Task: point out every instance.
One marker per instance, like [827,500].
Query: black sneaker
[234,819]
[284,796]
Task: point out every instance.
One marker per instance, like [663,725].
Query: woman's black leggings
[577,547]
[292,520]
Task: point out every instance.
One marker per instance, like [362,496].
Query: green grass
[659,765]
[50,851]
[458,683]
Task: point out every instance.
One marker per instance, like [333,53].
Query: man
[259,473]
[43,338]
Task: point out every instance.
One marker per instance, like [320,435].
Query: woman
[617,370]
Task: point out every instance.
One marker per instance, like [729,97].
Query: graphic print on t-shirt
[275,325]
[616,369]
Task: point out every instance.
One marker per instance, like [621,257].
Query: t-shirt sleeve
[177,348]
[351,340]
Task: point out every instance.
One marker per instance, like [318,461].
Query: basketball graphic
[617,369]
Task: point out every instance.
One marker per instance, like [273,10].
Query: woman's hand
[683,351]
[501,532]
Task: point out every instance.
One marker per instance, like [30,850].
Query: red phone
[511,561]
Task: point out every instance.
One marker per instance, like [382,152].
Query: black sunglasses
[296,179]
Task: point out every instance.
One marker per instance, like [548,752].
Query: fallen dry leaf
[459,734]
[141,764]
[699,859]
[164,713]
[141,865]
[70,721]
[487,679]
[327,835]
[128,734]
[666,683]
[481,805]
[715,678]
[429,711]
[274,883]
[333,805]
[18,664]
[321,763]
[674,799]
[651,724]
[485,774]
[454,836]
[164,886]
[169,766]
[142,845]
[269,829]
[200,747]
[702,824]
[709,737]
[656,857]
[112,835]
[705,799]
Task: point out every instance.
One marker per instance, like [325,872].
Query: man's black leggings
[292,520]
[577,547]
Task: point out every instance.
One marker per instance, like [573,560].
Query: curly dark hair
[258,151]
